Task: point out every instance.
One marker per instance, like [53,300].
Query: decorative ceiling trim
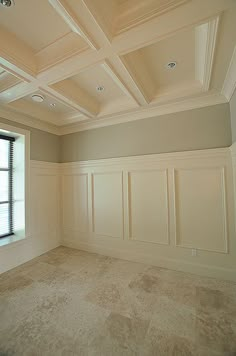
[7,81]
[111,72]
[229,85]
[46,70]
[69,17]
[184,105]
[17,92]
[137,86]
[144,113]
[16,66]
[63,95]
[206,35]
[27,120]
[149,16]
[52,62]
[99,24]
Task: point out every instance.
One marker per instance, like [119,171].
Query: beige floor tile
[71,302]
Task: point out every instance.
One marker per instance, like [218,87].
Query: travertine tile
[120,335]
[216,331]
[70,302]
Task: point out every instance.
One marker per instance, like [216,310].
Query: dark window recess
[6,185]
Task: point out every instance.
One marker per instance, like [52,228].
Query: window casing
[6,185]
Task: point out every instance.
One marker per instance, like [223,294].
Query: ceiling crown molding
[27,120]
[144,113]
[230,79]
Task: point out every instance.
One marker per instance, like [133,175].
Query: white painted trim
[148,17]
[129,208]
[172,255]
[174,264]
[134,81]
[111,72]
[206,35]
[210,51]
[131,115]
[26,183]
[159,157]
[44,165]
[144,112]
[177,244]
[27,120]
[230,79]
[67,15]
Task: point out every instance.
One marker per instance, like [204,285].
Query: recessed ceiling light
[171,65]
[38,98]
[100,88]
[53,105]
[7,3]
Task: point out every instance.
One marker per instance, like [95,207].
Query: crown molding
[143,113]
[230,79]
[187,104]
[12,115]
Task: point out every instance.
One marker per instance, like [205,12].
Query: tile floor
[70,302]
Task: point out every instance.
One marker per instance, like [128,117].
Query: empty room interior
[117,177]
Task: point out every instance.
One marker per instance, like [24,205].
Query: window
[6,185]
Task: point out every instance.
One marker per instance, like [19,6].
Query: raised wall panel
[75,202]
[107,204]
[148,206]
[45,204]
[200,209]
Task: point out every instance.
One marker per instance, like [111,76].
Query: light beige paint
[34,32]
[44,146]
[233,116]
[188,130]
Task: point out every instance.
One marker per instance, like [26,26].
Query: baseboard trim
[173,264]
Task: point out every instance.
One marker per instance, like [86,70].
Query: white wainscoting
[233,155]
[44,208]
[154,209]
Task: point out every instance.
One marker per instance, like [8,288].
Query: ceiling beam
[72,21]
[96,20]
[70,94]
[112,73]
[144,99]
[17,92]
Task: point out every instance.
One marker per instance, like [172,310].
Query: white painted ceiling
[65,49]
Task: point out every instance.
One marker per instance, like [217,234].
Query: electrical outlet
[194,252]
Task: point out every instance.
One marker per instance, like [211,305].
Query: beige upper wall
[188,130]
[233,116]
[44,146]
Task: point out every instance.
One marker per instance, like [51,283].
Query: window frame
[21,172]
[9,169]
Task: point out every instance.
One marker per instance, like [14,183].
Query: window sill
[5,241]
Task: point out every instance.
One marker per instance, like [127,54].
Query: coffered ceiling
[100,62]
